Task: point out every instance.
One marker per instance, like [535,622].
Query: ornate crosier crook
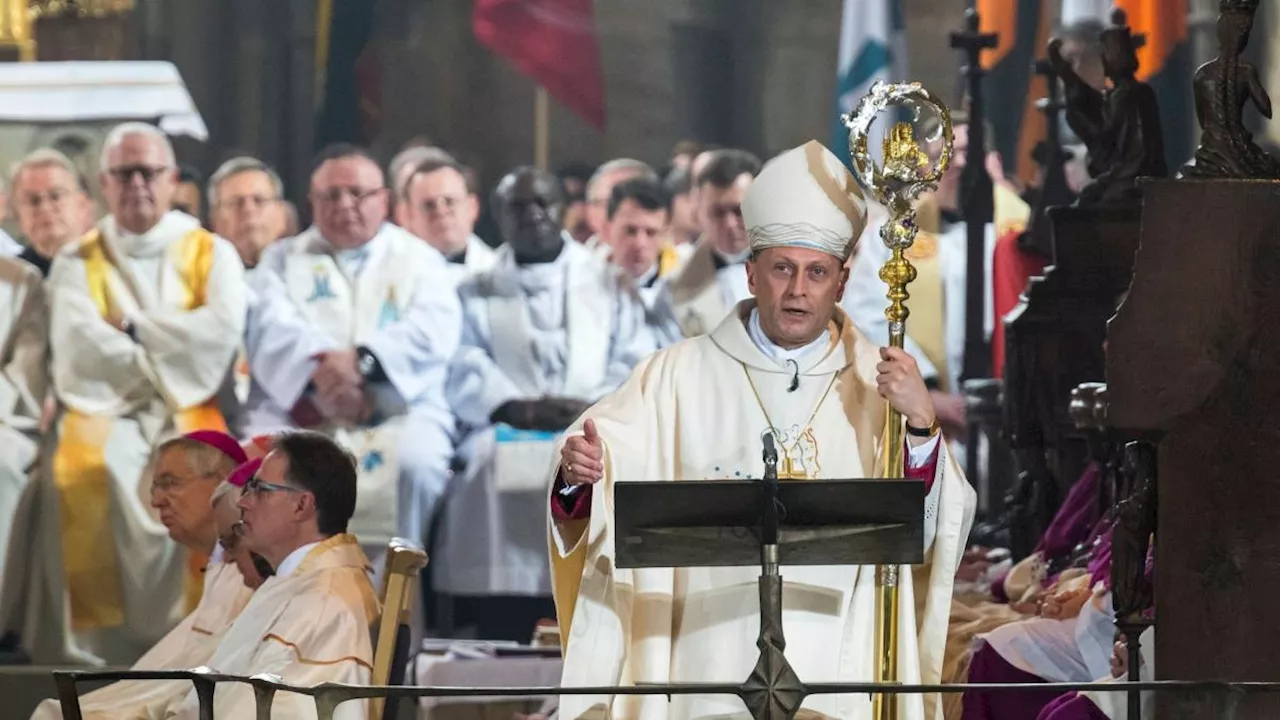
[896,184]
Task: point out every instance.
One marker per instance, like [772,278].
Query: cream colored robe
[24,346]
[699,296]
[187,646]
[124,584]
[688,412]
[308,628]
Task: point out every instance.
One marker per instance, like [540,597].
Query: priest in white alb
[146,312]
[309,623]
[350,331]
[789,362]
[548,330]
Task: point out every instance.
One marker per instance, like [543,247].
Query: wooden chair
[405,560]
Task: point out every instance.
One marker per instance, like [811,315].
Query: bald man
[147,311]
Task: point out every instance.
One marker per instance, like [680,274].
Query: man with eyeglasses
[350,332]
[245,206]
[309,624]
[147,309]
[439,205]
[53,205]
[714,279]
[188,470]
[547,331]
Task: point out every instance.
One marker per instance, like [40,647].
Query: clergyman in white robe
[120,394]
[396,297]
[187,646]
[567,328]
[308,624]
[24,347]
[698,411]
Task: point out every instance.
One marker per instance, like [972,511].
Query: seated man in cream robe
[351,328]
[146,313]
[713,280]
[438,203]
[790,363]
[188,471]
[24,349]
[309,624]
[549,330]
[639,214]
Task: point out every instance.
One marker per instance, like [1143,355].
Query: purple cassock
[1072,706]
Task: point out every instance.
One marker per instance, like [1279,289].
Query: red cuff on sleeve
[572,507]
[926,472]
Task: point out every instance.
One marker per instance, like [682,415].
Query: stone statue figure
[1223,87]
[1120,125]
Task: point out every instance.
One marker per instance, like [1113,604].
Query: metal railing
[1223,696]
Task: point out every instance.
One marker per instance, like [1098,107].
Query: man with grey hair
[150,308]
[53,205]
[402,166]
[600,188]
[245,206]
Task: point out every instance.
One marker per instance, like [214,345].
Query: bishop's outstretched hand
[582,457]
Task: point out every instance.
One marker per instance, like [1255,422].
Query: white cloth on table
[396,297]
[567,328]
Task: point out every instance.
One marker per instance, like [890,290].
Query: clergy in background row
[350,332]
[439,205]
[600,187]
[684,229]
[52,204]
[245,206]
[789,362]
[188,470]
[636,230]
[547,331]
[309,623]
[713,280]
[8,246]
[146,312]
[24,349]
[402,166]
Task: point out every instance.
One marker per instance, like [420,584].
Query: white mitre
[805,197]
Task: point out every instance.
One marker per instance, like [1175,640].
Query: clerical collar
[294,559]
[544,275]
[37,260]
[776,351]
[458,258]
[649,277]
[724,260]
[155,240]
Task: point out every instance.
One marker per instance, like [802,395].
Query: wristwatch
[128,328]
[928,432]
[368,366]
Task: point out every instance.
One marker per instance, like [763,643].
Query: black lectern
[732,523]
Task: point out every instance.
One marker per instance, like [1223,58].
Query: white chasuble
[568,328]
[187,646]
[394,296]
[309,626]
[112,569]
[24,347]
[696,411]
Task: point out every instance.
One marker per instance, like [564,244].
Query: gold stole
[89,556]
[668,260]
[927,322]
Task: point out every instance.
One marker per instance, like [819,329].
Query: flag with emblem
[871,48]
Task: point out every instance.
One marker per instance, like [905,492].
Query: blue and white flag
[872,48]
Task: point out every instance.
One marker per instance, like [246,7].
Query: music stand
[734,523]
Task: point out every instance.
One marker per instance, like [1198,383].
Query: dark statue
[1223,87]
[1120,126]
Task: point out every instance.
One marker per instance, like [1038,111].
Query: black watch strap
[923,432]
[369,366]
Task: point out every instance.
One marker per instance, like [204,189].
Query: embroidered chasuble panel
[350,310]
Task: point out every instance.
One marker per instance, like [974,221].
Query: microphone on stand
[769,510]
[770,457]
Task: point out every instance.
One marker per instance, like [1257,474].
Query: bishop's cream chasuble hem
[80,470]
[688,413]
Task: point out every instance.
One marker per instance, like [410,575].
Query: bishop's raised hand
[582,457]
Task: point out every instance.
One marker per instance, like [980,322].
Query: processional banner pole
[906,170]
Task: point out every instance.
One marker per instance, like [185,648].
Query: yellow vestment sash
[668,260]
[80,473]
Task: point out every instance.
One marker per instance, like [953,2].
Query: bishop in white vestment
[371,304]
[146,314]
[24,347]
[549,330]
[791,363]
